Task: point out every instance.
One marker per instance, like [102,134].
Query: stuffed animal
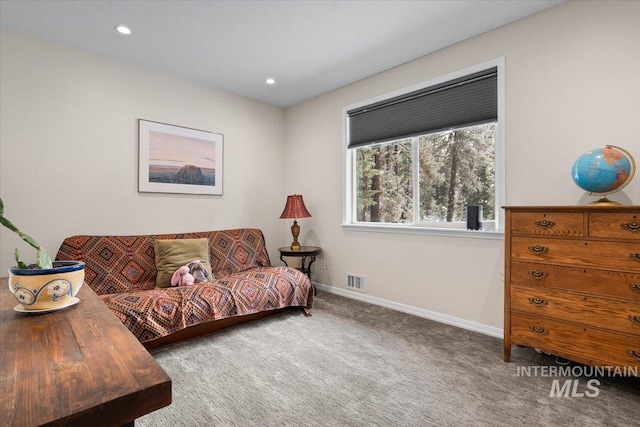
[200,274]
[182,277]
[193,272]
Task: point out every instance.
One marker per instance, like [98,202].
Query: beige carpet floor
[356,364]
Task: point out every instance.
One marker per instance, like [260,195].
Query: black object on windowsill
[474,217]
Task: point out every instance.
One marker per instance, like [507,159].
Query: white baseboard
[420,312]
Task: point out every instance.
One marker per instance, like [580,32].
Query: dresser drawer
[618,315]
[589,280]
[615,225]
[625,255]
[588,345]
[548,223]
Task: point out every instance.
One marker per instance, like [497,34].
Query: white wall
[572,83]
[68,150]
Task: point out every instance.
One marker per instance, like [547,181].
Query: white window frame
[495,229]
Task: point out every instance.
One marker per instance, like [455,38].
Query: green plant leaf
[44,260]
[30,240]
[4,221]
[21,265]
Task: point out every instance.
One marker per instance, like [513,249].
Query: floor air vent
[355,282]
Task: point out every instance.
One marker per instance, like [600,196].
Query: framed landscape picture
[175,159]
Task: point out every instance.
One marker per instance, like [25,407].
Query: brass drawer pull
[635,287]
[539,275]
[634,353]
[539,301]
[542,331]
[631,226]
[635,256]
[635,320]
[545,224]
[537,249]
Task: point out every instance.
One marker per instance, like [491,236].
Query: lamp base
[295,232]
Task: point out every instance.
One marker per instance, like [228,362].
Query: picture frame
[176,159]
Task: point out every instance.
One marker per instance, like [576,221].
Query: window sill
[428,231]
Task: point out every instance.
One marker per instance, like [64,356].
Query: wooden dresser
[572,282]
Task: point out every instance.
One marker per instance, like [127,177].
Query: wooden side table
[305,252]
[74,367]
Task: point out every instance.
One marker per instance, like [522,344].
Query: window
[419,158]
[384,182]
[457,170]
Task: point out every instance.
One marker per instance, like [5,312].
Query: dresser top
[571,208]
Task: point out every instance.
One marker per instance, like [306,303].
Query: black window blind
[465,101]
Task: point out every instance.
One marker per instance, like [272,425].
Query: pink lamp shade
[295,208]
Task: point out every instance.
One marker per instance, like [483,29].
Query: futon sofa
[122,271]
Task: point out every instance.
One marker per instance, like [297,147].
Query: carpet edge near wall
[415,311]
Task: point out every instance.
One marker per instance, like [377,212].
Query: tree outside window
[385,183]
[456,168]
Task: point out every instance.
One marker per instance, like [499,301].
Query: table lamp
[295,209]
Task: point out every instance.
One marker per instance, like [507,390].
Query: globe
[603,171]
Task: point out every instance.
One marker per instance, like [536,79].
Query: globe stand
[604,202]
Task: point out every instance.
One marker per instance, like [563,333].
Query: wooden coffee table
[79,366]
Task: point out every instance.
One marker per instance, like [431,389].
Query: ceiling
[308,47]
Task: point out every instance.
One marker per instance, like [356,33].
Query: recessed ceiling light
[270,81]
[122,29]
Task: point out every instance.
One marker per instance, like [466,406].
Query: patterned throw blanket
[121,269]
